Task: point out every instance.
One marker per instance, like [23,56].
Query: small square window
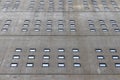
[93,30]
[112,21]
[29,65]
[101,21]
[100,57]
[36,29]
[61,65]
[60,29]
[117,65]
[90,21]
[17,2]
[105,30]
[72,25]
[26,21]
[8,21]
[117,8]
[102,65]
[60,25]
[61,50]
[26,25]
[14,65]
[113,3]
[49,21]
[114,25]
[117,30]
[24,29]
[91,25]
[7,2]
[103,25]
[72,29]
[45,64]
[49,25]
[94,2]
[61,57]
[4,29]
[37,25]
[76,57]
[37,21]
[16,56]
[49,29]
[42,2]
[6,25]
[60,21]
[106,8]
[75,50]
[115,57]
[72,21]
[18,50]
[113,50]
[46,57]
[98,50]
[77,65]
[31,57]
[32,50]
[97,8]
[46,50]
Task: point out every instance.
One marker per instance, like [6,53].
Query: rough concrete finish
[85,25]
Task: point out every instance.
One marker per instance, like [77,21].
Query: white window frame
[30,65]
[32,50]
[102,65]
[61,50]
[61,64]
[61,57]
[16,56]
[18,50]
[46,57]
[47,50]
[14,65]
[45,64]
[76,65]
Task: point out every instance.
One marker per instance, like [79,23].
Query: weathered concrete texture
[60,77]
[41,24]
[56,5]
[86,45]
[81,23]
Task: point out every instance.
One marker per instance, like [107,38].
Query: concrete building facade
[59,39]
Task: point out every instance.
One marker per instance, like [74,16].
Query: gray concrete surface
[85,44]
[96,26]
